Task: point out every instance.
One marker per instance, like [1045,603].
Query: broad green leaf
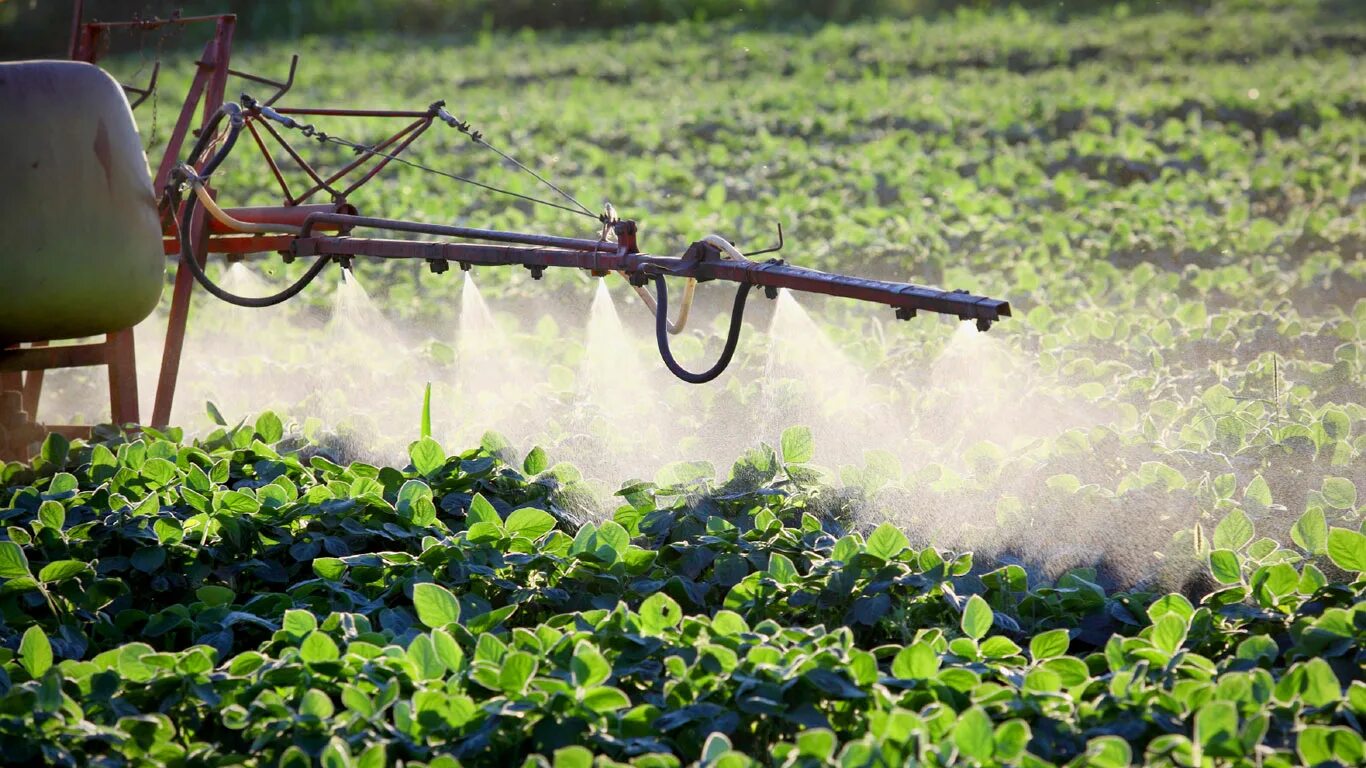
[517,670]
[1339,492]
[336,754]
[1169,633]
[427,456]
[1347,549]
[887,541]
[1108,752]
[573,757]
[1049,644]
[798,445]
[588,666]
[425,657]
[1310,532]
[659,612]
[529,522]
[605,699]
[1224,565]
[977,617]
[13,563]
[973,735]
[917,661]
[329,568]
[1011,739]
[536,461]
[435,605]
[318,647]
[35,652]
[481,511]
[1234,531]
[269,428]
[53,515]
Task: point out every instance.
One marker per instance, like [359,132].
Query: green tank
[80,239]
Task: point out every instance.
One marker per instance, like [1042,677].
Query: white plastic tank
[80,238]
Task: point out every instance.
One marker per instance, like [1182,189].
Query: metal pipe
[445,230]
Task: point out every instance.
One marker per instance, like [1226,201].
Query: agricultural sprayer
[85,231]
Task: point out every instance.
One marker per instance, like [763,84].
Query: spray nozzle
[438,266]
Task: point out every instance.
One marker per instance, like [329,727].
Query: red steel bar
[270,160]
[766,274]
[409,113]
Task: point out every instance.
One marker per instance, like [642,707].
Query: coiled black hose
[234,114]
[737,315]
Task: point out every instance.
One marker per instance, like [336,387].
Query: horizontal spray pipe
[763,274]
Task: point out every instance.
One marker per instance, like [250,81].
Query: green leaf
[1347,549]
[298,624]
[1108,752]
[977,617]
[1169,633]
[1216,729]
[425,431]
[605,699]
[1321,686]
[329,568]
[35,652]
[818,743]
[427,456]
[973,735]
[436,606]
[573,757]
[1310,532]
[13,563]
[536,461]
[659,612]
[52,515]
[781,569]
[424,655]
[210,594]
[481,511]
[1319,744]
[1234,531]
[588,666]
[1011,739]
[916,662]
[1049,644]
[798,445]
[61,570]
[1223,564]
[318,647]
[55,450]
[529,523]
[1339,492]
[317,704]
[269,428]
[336,754]
[887,541]
[518,668]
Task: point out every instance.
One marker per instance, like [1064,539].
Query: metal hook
[773,249]
[281,88]
[143,93]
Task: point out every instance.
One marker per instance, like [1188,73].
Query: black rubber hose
[234,113]
[737,315]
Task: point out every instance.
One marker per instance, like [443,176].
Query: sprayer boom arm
[702,262]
